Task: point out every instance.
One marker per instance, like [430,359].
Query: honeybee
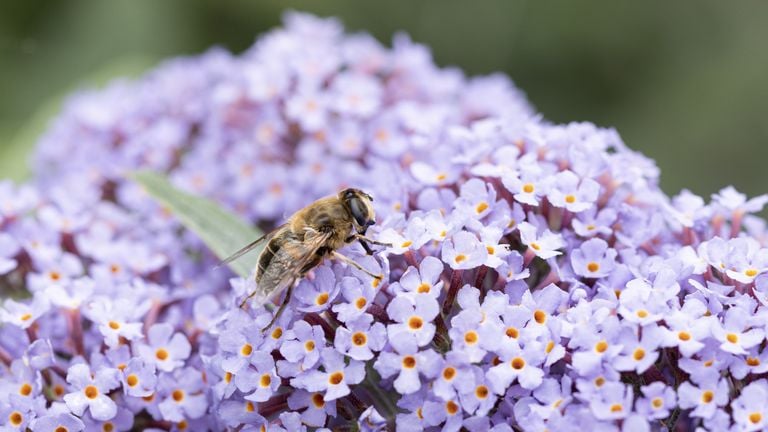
[308,237]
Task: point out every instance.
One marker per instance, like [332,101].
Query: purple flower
[167,350]
[316,295]
[413,321]
[424,281]
[358,297]
[61,421]
[464,251]
[181,395]
[261,380]
[335,378]
[317,409]
[570,193]
[593,259]
[407,364]
[360,338]
[302,345]
[90,391]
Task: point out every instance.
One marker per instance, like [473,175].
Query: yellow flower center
[601,346]
[359,339]
[178,395]
[132,380]
[707,396]
[423,288]
[481,207]
[459,258]
[517,363]
[25,389]
[15,418]
[593,266]
[309,346]
[246,349]
[528,188]
[265,380]
[481,392]
[161,354]
[114,325]
[317,400]
[91,392]
[732,338]
[540,316]
[415,322]
[449,373]
[361,302]
[336,378]
[321,299]
[570,199]
[470,337]
[755,417]
[639,354]
[657,402]
[684,336]
[409,362]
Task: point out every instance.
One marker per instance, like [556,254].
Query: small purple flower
[360,338]
[336,377]
[317,295]
[8,249]
[570,193]
[358,297]
[424,281]
[302,345]
[464,251]
[407,364]
[181,395]
[657,401]
[317,409]
[167,350]
[91,391]
[593,259]
[238,412]
[413,321]
[261,380]
[138,378]
[23,315]
[58,421]
[544,244]
[749,409]
[704,398]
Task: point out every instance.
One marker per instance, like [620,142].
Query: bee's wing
[289,263]
[250,246]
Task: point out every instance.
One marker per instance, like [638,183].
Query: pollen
[708,363]
[132,380]
[517,363]
[309,346]
[265,380]
[228,377]
[755,417]
[178,395]
[376,281]
[114,325]
[406,244]
[753,361]
[657,402]
[550,347]
[483,206]
[424,288]
[639,354]
[336,378]
[161,354]
[321,299]
[591,227]
[732,338]
[317,400]
[449,373]
[642,313]
[246,349]
[707,396]
[535,246]
[593,267]
[443,233]
[512,332]
[617,408]
[121,366]
[451,407]
[470,337]
[361,302]
[277,332]
[409,362]
[441,176]
[481,392]
[459,258]
[249,407]
[684,336]
[750,272]
[359,339]
[415,322]
[25,389]
[540,316]
[26,317]
[570,199]
[491,250]
[91,392]
[601,346]
[528,188]
[15,418]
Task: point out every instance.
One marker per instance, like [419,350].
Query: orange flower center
[91,392]
[336,378]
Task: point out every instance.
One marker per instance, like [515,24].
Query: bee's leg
[286,300]
[245,300]
[354,264]
[365,245]
[363,238]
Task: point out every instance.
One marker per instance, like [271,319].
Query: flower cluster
[537,278]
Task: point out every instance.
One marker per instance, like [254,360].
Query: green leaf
[223,232]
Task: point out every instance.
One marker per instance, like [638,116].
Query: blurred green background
[684,82]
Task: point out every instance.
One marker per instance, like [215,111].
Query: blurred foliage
[684,82]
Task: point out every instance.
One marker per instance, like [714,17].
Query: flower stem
[452,291]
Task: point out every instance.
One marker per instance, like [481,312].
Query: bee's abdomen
[269,252]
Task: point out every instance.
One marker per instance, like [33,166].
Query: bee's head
[358,203]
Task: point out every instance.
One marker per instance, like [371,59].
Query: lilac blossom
[535,269]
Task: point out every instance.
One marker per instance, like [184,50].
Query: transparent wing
[290,263]
[250,246]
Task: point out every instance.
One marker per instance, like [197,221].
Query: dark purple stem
[452,291]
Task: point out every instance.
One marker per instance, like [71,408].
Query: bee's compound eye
[359,211]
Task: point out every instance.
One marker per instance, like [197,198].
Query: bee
[305,240]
